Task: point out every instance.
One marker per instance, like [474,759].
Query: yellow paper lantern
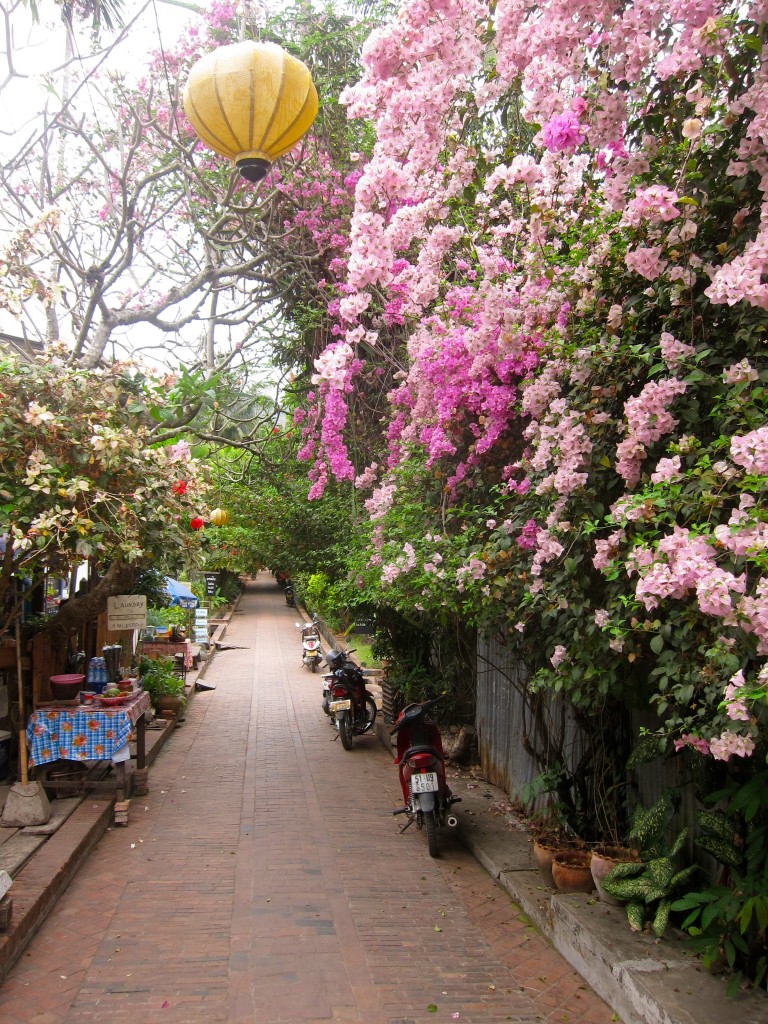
[219,517]
[250,102]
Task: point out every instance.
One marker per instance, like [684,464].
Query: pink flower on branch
[656,203]
[750,451]
[731,744]
[690,739]
[563,133]
[558,656]
[648,420]
[646,261]
[674,352]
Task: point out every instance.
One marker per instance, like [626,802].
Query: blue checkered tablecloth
[82,733]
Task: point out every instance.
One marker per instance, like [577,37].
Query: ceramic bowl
[66,687]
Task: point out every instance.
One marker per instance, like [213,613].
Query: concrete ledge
[40,883]
[647,981]
[43,879]
[644,980]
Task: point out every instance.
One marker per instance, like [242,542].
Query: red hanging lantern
[196,523]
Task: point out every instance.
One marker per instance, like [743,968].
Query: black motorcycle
[346,701]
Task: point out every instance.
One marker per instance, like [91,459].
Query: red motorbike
[346,700]
[421,764]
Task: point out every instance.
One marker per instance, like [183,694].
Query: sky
[40,49]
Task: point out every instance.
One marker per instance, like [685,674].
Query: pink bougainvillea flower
[563,133]
[646,261]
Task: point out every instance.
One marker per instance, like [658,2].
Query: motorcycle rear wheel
[370,712]
[363,725]
[431,826]
[345,729]
[313,664]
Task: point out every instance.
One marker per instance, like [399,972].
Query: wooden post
[22,715]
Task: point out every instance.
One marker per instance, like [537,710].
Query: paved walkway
[264,880]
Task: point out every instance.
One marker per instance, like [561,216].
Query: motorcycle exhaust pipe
[452,821]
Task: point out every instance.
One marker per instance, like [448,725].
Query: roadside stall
[172,642]
[97,730]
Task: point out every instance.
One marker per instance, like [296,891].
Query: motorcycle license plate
[424,783]
[340,705]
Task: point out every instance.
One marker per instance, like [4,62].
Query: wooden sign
[126,611]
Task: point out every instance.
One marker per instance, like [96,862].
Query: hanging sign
[126,611]
[211,583]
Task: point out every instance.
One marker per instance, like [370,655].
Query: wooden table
[87,734]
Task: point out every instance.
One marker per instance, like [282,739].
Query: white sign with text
[127,611]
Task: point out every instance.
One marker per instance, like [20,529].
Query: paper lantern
[197,523]
[250,102]
[219,517]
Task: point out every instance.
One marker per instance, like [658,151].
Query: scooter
[421,765]
[348,704]
[311,653]
[290,600]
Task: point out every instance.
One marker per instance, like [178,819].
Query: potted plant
[552,833]
[164,686]
[604,860]
[548,841]
[571,871]
[648,884]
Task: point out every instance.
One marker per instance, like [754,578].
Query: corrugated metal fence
[510,725]
[506,720]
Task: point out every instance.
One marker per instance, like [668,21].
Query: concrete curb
[644,980]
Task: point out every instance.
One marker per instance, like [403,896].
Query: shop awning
[180,594]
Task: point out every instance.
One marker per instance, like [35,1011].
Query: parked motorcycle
[311,652]
[346,701]
[290,599]
[421,765]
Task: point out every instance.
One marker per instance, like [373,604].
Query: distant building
[24,348]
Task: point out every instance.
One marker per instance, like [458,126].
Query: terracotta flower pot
[604,860]
[543,853]
[570,871]
[169,702]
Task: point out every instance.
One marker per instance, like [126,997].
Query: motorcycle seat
[420,748]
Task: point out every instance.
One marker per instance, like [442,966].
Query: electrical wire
[78,57]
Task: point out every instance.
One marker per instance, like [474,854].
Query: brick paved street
[264,880]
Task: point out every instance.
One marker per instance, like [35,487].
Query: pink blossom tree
[556,267]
